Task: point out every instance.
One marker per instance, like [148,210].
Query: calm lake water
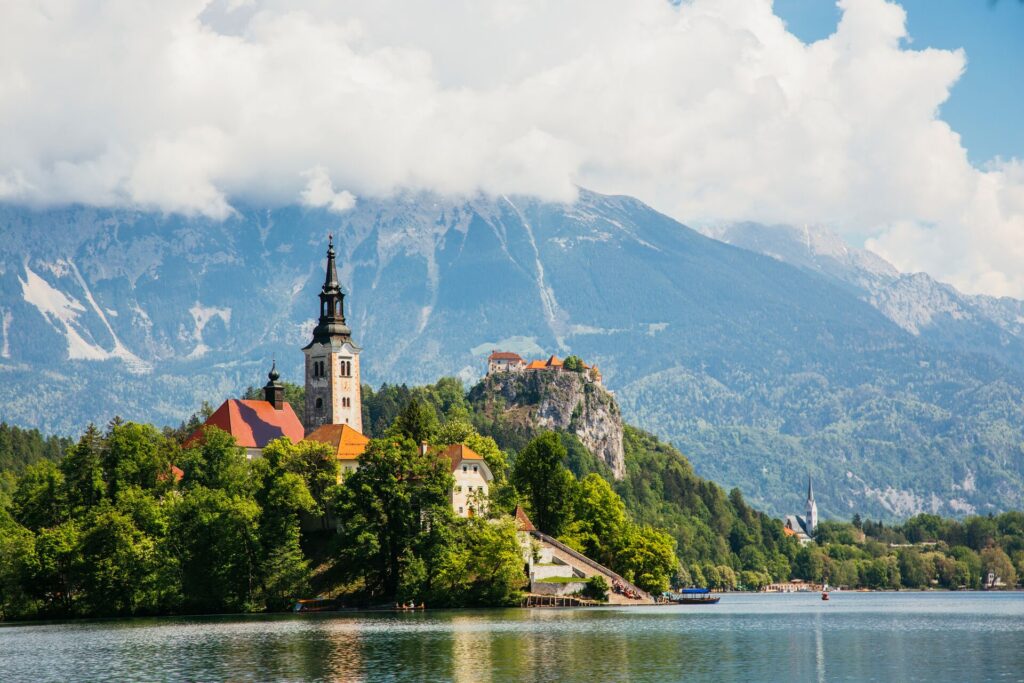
[853,637]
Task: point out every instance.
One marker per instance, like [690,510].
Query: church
[333,405]
[803,528]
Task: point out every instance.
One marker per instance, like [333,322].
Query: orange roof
[787,531]
[457,452]
[504,355]
[522,521]
[536,365]
[348,444]
[554,362]
[254,424]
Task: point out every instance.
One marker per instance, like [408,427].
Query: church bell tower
[333,393]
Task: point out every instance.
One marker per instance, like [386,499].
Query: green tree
[217,462]
[119,566]
[596,588]
[914,571]
[547,486]
[216,538]
[648,559]
[137,455]
[996,563]
[39,501]
[574,363]
[417,421]
[393,507]
[82,468]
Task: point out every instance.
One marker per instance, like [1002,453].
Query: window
[460,509]
[346,368]
[475,468]
[465,469]
[471,489]
[319,404]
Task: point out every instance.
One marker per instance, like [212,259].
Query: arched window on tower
[319,405]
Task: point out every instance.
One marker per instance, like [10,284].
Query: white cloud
[709,111]
[320,192]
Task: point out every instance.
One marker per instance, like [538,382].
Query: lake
[853,637]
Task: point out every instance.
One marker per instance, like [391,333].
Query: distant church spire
[811,518]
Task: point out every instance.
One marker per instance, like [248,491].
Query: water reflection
[793,638]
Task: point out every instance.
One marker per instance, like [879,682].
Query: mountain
[759,370]
[924,307]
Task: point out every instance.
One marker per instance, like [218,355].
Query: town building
[255,423]
[333,389]
[472,479]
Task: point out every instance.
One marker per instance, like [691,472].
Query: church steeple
[333,390]
[332,303]
[811,518]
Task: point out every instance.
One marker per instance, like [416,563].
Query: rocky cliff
[557,400]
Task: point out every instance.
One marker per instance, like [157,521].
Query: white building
[472,480]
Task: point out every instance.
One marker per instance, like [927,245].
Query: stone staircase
[585,567]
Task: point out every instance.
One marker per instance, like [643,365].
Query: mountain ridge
[757,369]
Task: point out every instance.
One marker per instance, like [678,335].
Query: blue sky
[987,105]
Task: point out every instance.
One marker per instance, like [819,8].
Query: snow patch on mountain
[201,316]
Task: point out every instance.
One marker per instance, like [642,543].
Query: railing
[589,562]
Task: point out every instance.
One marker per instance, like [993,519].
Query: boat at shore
[691,596]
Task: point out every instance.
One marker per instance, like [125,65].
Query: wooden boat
[314,605]
[824,595]
[410,607]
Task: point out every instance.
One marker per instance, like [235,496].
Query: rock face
[561,401]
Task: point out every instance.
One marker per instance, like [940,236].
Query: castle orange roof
[554,362]
[254,424]
[536,365]
[347,443]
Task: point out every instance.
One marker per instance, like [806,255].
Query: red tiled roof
[554,362]
[522,520]
[536,365]
[457,452]
[504,355]
[254,424]
[348,444]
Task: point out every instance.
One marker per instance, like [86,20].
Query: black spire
[273,392]
[332,303]
[331,281]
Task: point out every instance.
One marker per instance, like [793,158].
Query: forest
[125,521]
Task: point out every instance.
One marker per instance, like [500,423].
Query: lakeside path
[746,637]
